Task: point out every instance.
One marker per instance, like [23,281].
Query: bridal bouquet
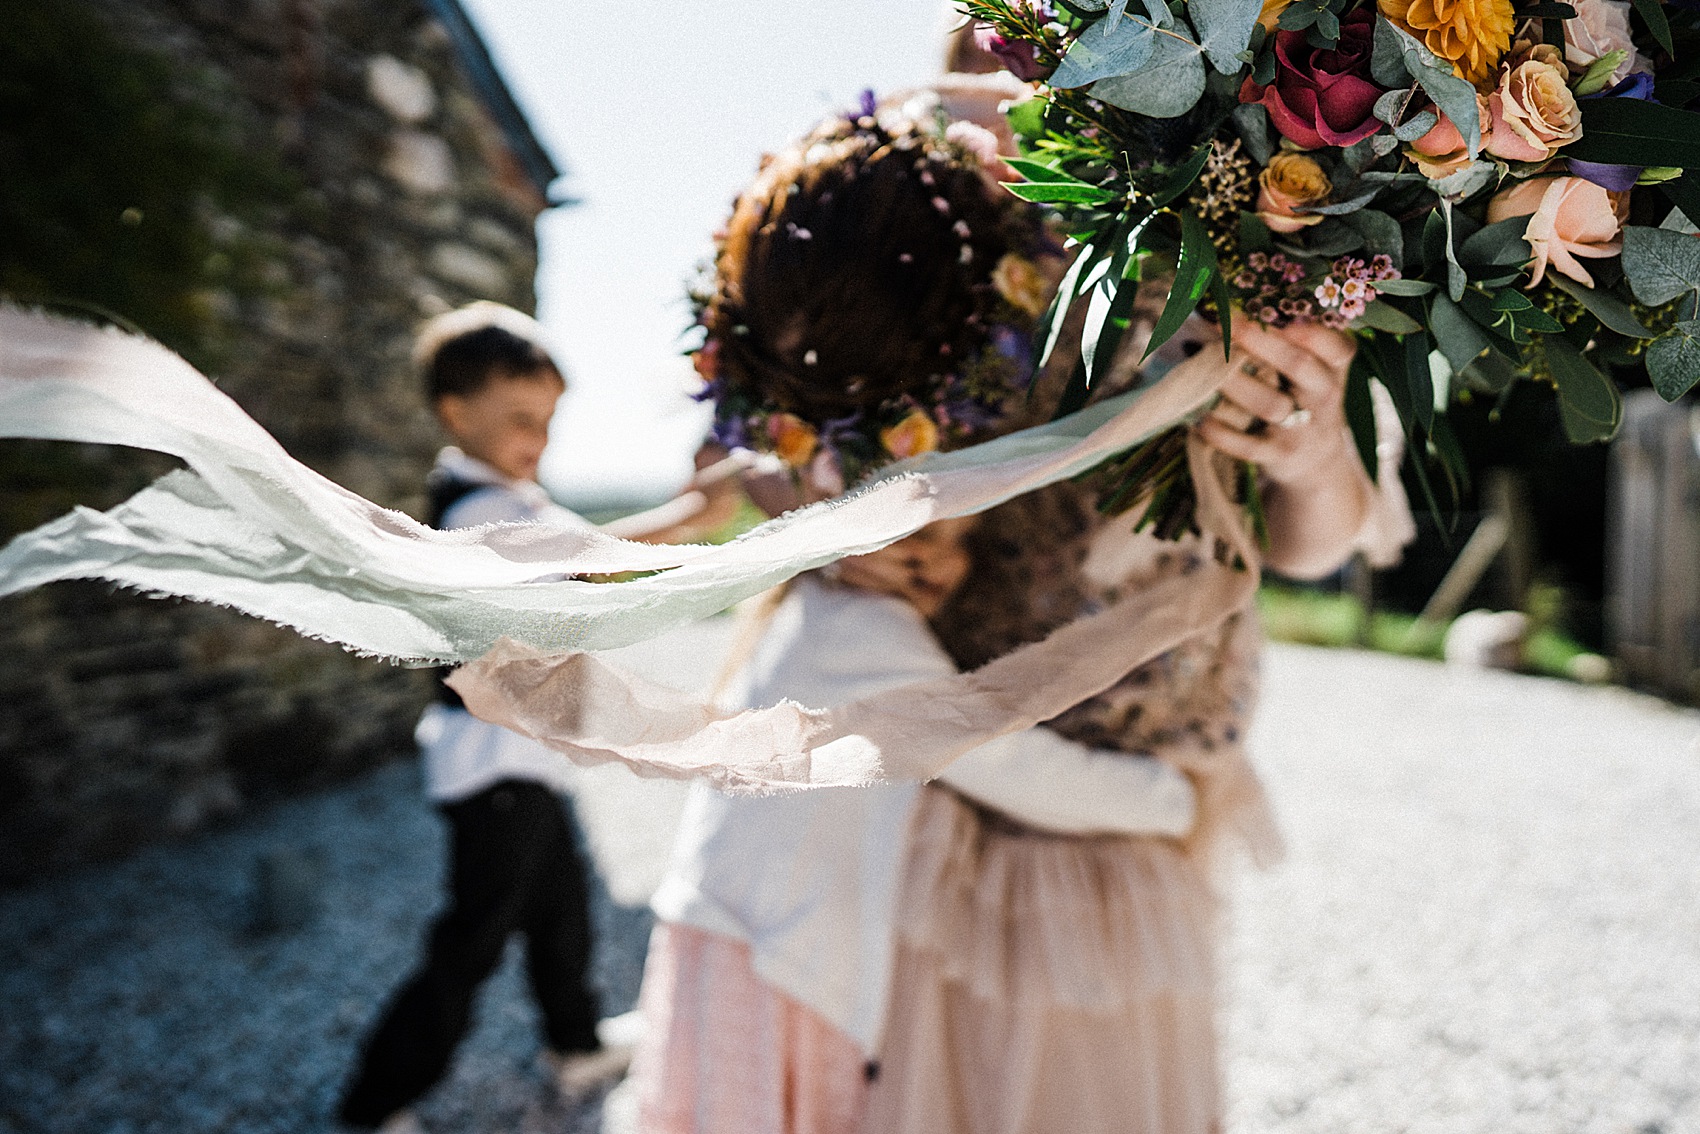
[1483,191]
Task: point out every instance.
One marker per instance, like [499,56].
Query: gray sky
[659,112]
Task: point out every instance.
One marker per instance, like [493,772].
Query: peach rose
[1441,152]
[914,435]
[1289,182]
[1600,28]
[1022,284]
[1568,217]
[1532,110]
[794,440]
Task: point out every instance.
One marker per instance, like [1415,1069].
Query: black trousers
[513,868]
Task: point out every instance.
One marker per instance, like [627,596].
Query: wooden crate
[1653,545]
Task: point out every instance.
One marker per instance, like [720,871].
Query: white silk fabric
[247,526]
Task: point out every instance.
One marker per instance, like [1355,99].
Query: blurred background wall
[280,190]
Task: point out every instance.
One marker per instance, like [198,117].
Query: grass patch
[1318,618]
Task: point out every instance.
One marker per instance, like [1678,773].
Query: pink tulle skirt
[726,1053]
[1047,984]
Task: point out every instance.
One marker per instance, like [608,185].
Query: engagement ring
[1298,417]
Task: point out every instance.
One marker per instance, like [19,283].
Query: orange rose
[1568,217]
[1271,14]
[1289,182]
[1532,110]
[914,435]
[1022,284]
[794,440]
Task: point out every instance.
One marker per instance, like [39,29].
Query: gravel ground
[1488,923]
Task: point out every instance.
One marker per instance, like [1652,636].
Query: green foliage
[122,175]
[1632,131]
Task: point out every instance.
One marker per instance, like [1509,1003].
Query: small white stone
[402,90]
[469,268]
[420,162]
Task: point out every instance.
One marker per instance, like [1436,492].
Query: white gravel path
[1489,923]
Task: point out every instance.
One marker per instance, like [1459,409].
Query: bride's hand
[1283,408]
[1282,404]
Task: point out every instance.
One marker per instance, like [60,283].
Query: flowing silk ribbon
[249,527]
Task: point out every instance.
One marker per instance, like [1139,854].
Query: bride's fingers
[1258,448]
[1250,387]
[1316,377]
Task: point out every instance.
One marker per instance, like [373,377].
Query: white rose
[1601,27]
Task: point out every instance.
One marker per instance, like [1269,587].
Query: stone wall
[395,190]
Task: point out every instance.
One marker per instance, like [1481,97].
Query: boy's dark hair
[463,350]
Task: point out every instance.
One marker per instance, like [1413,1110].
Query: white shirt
[810,879]
[462,754]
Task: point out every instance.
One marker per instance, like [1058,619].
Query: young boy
[514,864]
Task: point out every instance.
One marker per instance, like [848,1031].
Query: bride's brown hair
[855,270]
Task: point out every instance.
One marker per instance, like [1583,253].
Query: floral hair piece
[983,364]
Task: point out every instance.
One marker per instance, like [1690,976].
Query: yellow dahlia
[1469,34]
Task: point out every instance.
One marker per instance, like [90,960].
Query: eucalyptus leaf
[1386,317]
[1455,97]
[1673,361]
[1497,245]
[1160,14]
[1661,264]
[1341,208]
[1419,125]
[1112,46]
[1684,193]
[1224,30]
[1391,105]
[1167,86]
[1461,339]
[1456,280]
[1492,372]
[1404,287]
[1611,311]
[1383,144]
[1252,121]
[1381,234]
[1387,58]
[1360,415]
[1358,156]
[1467,181]
[1333,237]
[1588,402]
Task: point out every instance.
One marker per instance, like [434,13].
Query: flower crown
[983,368]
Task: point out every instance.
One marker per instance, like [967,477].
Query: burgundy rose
[1322,98]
